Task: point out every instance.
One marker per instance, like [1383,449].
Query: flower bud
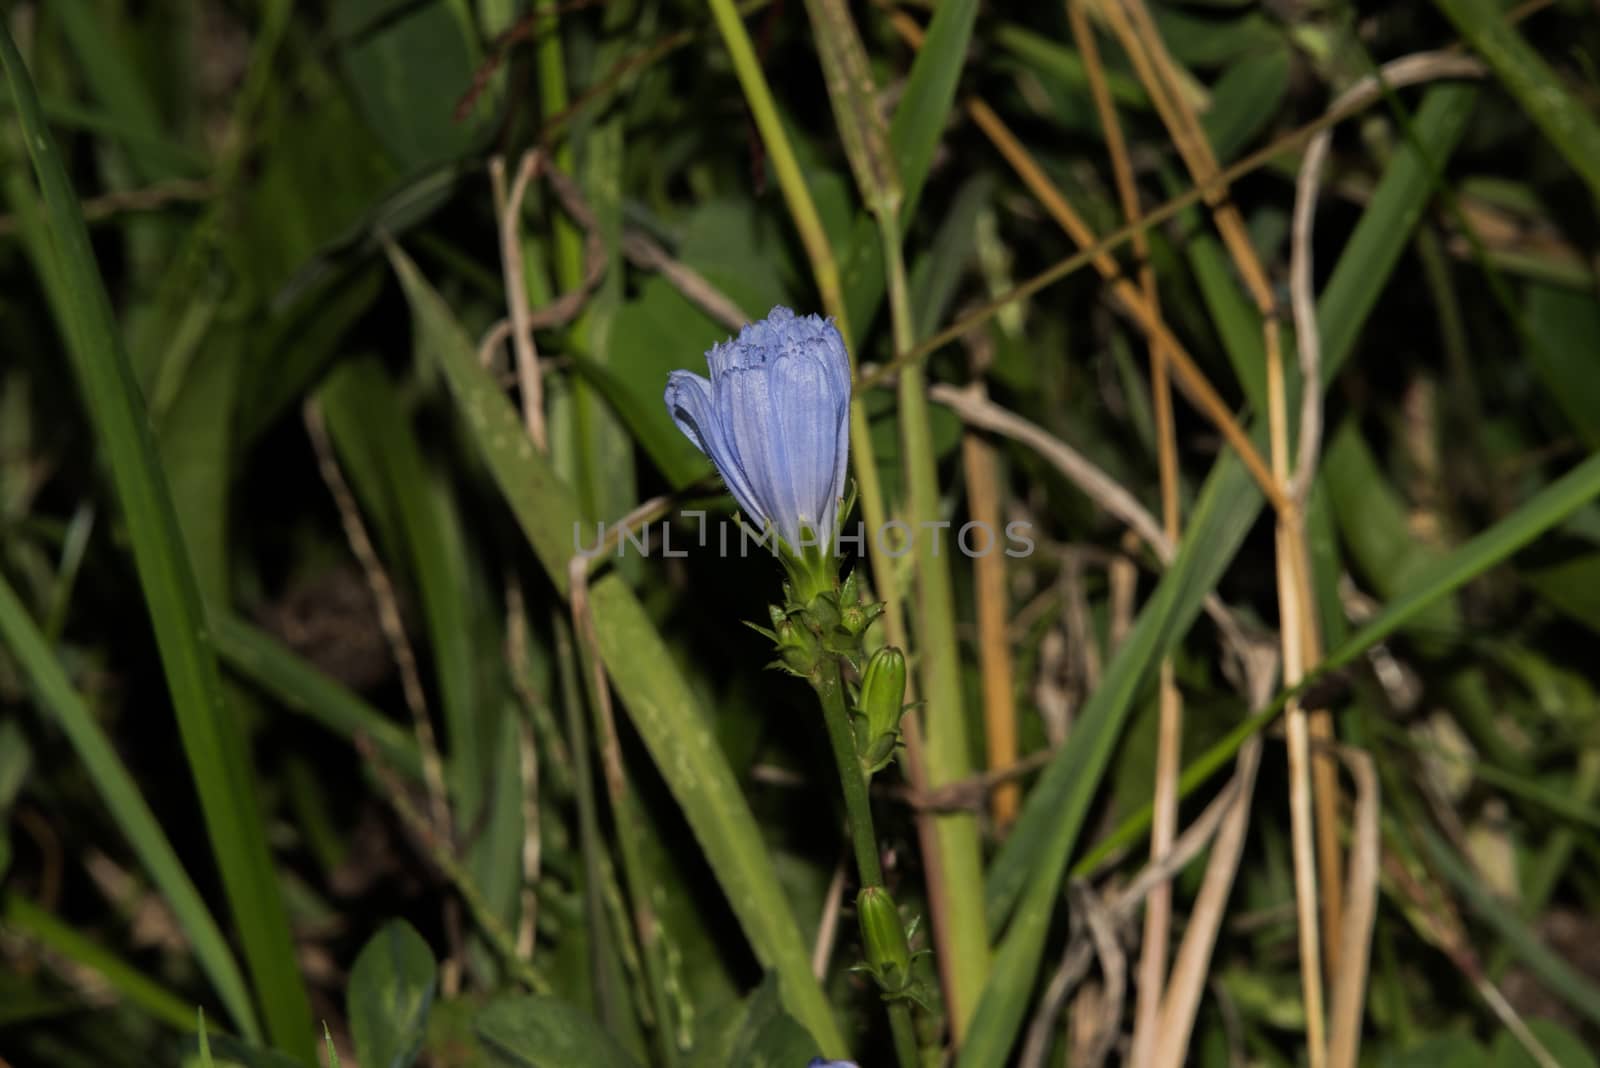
[883,937]
[799,652]
[883,696]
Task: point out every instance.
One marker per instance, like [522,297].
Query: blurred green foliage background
[325,328]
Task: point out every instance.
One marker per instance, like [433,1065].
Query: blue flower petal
[690,399]
[806,426]
[774,420]
[744,402]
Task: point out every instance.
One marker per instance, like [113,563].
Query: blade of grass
[366,417]
[1561,978]
[115,82]
[127,806]
[802,209]
[658,700]
[1550,506]
[914,132]
[1565,120]
[261,658]
[212,741]
[21,916]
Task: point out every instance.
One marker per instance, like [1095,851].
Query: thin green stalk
[939,667]
[829,685]
[483,913]
[628,822]
[553,98]
[830,692]
[781,155]
[602,959]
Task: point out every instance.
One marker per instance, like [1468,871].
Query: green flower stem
[938,661]
[829,684]
[905,1035]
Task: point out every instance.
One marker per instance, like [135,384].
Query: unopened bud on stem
[883,696]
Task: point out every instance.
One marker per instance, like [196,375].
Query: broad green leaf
[409,64]
[1562,344]
[391,990]
[546,1032]
[1203,40]
[1245,99]
[757,1034]
[1572,586]
[1372,521]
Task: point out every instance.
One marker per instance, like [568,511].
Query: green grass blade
[914,133]
[1550,506]
[1374,525]
[1563,336]
[658,701]
[785,164]
[1564,118]
[21,916]
[930,93]
[114,81]
[366,417]
[1383,233]
[202,1039]
[299,687]
[1561,978]
[212,742]
[127,806]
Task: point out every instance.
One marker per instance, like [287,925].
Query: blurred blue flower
[818,1062]
[773,419]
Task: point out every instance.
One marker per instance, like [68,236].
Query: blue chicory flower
[773,419]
